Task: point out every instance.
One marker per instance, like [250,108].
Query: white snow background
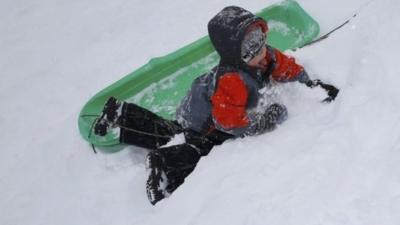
[328,164]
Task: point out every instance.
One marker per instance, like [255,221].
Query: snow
[175,140]
[328,164]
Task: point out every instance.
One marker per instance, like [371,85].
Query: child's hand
[332,90]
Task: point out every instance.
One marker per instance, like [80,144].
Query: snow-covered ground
[328,164]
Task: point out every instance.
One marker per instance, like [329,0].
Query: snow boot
[109,117]
[157,181]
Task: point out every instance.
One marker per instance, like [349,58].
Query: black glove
[275,114]
[332,90]
[312,83]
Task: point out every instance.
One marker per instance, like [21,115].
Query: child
[221,105]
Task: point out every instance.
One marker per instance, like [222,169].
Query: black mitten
[332,90]
[275,114]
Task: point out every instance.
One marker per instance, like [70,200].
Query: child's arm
[229,111]
[286,69]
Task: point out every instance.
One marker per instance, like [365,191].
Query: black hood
[227,30]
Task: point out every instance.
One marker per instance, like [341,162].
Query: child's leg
[143,128]
[180,161]
[168,169]
[171,165]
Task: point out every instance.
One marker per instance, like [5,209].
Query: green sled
[161,84]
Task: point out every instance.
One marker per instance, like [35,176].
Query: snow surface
[328,164]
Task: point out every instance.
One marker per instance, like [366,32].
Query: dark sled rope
[126,128]
[144,133]
[98,117]
[325,36]
[88,115]
[91,129]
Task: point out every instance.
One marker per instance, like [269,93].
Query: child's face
[259,61]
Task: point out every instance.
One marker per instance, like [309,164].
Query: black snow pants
[142,128]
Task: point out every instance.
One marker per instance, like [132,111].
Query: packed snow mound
[328,164]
